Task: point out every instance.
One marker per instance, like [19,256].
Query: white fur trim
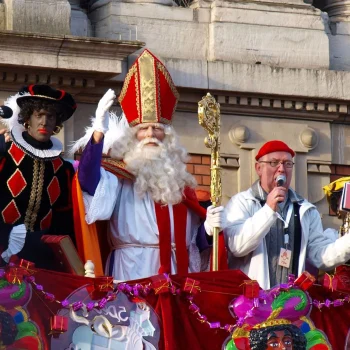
[12,103]
[116,130]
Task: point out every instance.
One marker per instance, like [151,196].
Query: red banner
[217,289]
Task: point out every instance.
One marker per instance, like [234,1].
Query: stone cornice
[79,54]
[327,110]
[304,108]
[88,88]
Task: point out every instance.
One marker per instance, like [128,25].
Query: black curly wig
[8,329]
[334,200]
[258,337]
[32,105]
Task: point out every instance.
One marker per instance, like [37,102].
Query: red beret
[273,146]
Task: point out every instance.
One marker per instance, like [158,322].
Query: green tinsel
[231,345]
[281,299]
[20,293]
[26,329]
[314,337]
[3,284]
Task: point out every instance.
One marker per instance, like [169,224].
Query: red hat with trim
[46,92]
[273,146]
[148,94]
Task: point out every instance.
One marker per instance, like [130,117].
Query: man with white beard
[146,193]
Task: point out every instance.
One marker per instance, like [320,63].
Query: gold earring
[57,130]
[26,126]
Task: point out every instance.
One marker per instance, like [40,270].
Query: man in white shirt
[270,230]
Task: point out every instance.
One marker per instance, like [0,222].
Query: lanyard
[286,223]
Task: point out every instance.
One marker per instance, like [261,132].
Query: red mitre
[148,94]
[273,146]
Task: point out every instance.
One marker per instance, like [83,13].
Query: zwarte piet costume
[35,181]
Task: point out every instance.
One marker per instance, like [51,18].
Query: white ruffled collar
[43,154]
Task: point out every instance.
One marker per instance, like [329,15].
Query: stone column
[38,16]
[338,10]
[339,32]
[80,24]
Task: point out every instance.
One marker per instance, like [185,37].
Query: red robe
[89,241]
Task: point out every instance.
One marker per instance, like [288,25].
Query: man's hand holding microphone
[278,194]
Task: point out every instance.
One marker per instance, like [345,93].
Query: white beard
[159,170]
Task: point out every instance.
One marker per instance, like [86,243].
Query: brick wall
[338,171]
[199,167]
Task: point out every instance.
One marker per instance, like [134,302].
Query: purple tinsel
[203,318]
[102,303]
[250,313]
[121,287]
[39,287]
[317,304]
[328,303]
[193,308]
[146,290]
[214,325]
[90,306]
[77,305]
[338,302]
[228,327]
[30,279]
[291,278]
[49,296]
[240,322]
[65,303]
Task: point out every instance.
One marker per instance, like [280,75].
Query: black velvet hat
[46,92]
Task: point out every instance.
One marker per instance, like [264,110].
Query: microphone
[5,112]
[281,180]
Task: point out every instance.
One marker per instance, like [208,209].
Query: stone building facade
[280,69]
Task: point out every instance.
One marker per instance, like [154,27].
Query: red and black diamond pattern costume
[33,190]
[36,192]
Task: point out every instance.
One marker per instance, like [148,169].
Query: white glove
[216,217]
[16,242]
[102,116]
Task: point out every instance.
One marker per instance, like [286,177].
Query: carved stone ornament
[309,138]
[239,134]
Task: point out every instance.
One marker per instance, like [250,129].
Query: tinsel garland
[137,292]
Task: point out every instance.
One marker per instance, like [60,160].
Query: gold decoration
[209,119]
[148,88]
[117,167]
[167,77]
[271,323]
[35,194]
[274,314]
[345,227]
[132,71]
[57,129]
[241,332]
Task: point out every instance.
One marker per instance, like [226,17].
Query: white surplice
[133,230]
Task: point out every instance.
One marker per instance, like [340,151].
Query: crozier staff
[146,194]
